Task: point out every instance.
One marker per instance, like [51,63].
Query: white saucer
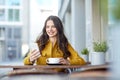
[54,63]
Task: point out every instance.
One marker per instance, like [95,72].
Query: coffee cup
[53,60]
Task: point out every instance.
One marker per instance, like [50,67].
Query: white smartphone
[34,46]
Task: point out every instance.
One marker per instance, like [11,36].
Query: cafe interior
[85,21]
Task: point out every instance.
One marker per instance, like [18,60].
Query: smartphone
[34,46]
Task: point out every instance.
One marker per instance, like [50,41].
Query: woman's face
[51,29]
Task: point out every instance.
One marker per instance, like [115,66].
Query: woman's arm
[40,61]
[26,60]
[75,58]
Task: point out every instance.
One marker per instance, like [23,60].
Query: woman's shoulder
[69,44]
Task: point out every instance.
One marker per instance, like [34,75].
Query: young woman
[53,43]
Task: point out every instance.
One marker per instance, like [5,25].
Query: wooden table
[29,69]
[87,66]
[97,72]
[73,68]
[76,71]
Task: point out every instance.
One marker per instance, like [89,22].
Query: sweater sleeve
[40,61]
[75,59]
[26,60]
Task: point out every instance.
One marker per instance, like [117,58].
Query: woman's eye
[47,26]
[53,26]
[50,26]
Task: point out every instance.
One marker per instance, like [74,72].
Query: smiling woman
[53,43]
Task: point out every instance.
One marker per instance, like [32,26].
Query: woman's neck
[53,40]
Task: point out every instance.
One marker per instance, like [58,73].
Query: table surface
[88,66]
[43,69]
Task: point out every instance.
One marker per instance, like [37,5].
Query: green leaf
[85,51]
[100,46]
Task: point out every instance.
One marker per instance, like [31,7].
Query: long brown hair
[61,38]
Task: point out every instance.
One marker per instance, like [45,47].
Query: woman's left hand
[64,61]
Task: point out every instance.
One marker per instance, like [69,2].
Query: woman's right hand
[34,55]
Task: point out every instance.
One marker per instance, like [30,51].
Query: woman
[53,43]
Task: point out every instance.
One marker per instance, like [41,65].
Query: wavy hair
[62,41]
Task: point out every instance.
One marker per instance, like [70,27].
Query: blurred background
[21,21]
[85,21]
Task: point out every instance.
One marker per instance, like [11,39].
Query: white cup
[53,60]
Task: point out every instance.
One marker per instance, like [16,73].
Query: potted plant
[100,46]
[85,54]
[98,56]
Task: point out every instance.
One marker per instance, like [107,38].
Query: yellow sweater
[50,51]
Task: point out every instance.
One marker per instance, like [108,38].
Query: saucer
[54,63]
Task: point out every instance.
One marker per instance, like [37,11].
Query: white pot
[85,57]
[97,58]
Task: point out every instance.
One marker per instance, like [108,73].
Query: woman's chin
[51,36]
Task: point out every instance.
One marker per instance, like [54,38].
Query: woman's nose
[50,28]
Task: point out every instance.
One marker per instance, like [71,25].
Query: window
[11,49]
[2,2]
[9,33]
[17,15]
[13,15]
[10,14]
[13,2]
[2,14]
[17,33]
[2,32]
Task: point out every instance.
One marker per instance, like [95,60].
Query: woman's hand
[64,61]
[34,55]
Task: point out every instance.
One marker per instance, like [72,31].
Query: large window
[11,49]
[13,2]
[2,2]
[9,34]
[13,15]
[2,14]
[2,32]
[17,33]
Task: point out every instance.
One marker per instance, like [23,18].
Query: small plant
[100,46]
[85,51]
